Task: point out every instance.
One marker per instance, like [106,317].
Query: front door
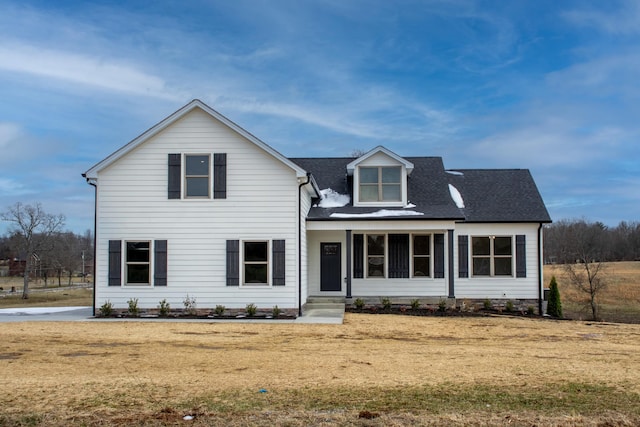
[330,267]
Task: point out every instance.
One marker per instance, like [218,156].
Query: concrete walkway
[314,315]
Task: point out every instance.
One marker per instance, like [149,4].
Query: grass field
[400,370]
[620,302]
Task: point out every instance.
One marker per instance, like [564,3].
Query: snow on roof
[333,199]
[456,196]
[455,173]
[380,213]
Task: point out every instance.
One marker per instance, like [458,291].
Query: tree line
[36,246]
[578,240]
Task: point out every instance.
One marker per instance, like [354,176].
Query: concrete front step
[333,300]
[323,306]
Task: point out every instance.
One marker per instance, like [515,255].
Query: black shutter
[358,256]
[115,262]
[521,257]
[174,176]
[463,256]
[438,256]
[233,263]
[398,256]
[278,263]
[160,263]
[220,176]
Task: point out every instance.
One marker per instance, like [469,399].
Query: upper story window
[197,175]
[380,184]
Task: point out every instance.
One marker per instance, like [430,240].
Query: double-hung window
[421,255]
[375,255]
[492,256]
[380,184]
[138,265]
[197,175]
[256,263]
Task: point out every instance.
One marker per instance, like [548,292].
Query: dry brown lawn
[395,370]
[620,302]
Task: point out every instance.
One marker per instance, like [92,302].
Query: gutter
[300,241]
[95,224]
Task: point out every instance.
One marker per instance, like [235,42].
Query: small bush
[220,309]
[163,308]
[487,304]
[275,311]
[251,309]
[554,305]
[442,305]
[531,310]
[509,306]
[359,303]
[106,309]
[133,307]
[415,304]
[386,303]
[190,306]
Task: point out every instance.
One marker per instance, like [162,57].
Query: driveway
[46,314]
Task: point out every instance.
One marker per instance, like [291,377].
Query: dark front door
[330,267]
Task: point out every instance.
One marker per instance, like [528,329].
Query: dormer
[380,178]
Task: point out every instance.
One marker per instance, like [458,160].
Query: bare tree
[586,246]
[33,228]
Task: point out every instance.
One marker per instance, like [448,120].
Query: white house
[198,206]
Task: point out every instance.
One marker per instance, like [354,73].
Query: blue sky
[552,86]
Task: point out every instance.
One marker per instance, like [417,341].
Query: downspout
[300,242]
[540,270]
[95,224]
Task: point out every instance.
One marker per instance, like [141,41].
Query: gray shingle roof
[496,195]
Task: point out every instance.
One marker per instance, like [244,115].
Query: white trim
[380,149]
[269,283]
[92,173]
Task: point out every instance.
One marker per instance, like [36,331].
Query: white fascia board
[92,173]
[380,149]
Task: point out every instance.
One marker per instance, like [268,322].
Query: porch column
[348,263]
[452,291]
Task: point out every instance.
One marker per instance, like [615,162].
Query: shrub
[275,311]
[106,309]
[509,306]
[386,303]
[554,305]
[133,307]
[163,308]
[487,304]
[442,305]
[415,304]
[531,310]
[251,309]
[190,306]
[359,303]
[220,309]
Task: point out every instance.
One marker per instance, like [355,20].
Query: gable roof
[92,173]
[379,149]
[489,195]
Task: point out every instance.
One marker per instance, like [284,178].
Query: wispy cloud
[103,73]
[623,18]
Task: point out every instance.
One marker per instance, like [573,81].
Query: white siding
[499,287]
[261,204]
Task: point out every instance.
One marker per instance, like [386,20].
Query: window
[256,263]
[380,184]
[492,256]
[196,175]
[421,255]
[375,255]
[138,263]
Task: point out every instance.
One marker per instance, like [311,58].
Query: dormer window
[380,184]
[380,179]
